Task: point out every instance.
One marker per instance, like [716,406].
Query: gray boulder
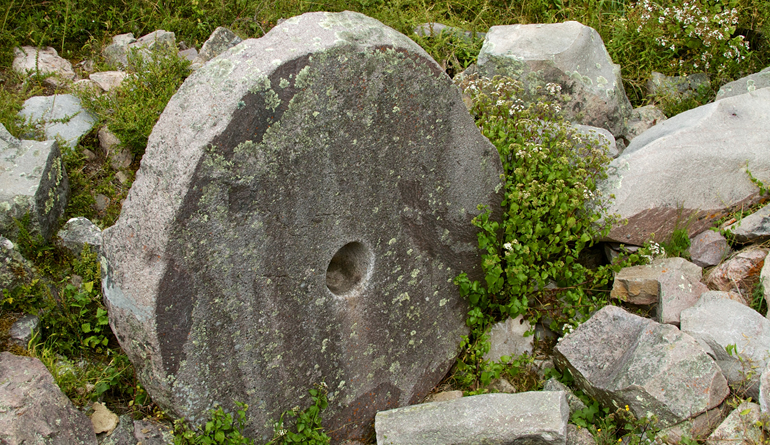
[746,84]
[122,45]
[60,115]
[32,181]
[301,210]
[30,60]
[720,324]
[691,168]
[604,138]
[14,269]
[491,419]
[108,80]
[709,248]
[569,54]
[622,359]
[220,41]
[80,232]
[741,426]
[33,410]
[754,228]
[116,53]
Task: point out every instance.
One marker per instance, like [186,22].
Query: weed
[307,423]
[222,428]
[679,244]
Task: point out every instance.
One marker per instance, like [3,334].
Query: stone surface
[123,434]
[653,181]
[14,269]
[673,283]
[697,428]
[116,53]
[23,329]
[579,436]
[575,404]
[29,60]
[764,389]
[152,432]
[120,157]
[108,80]
[717,323]
[33,410]
[507,338]
[642,119]
[102,419]
[754,228]
[32,181]
[444,396]
[220,41]
[79,232]
[622,359]
[739,427]
[709,248]
[491,419]
[764,279]
[190,54]
[301,210]
[569,54]
[676,87]
[744,85]
[60,115]
[739,273]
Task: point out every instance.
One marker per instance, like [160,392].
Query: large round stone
[302,208]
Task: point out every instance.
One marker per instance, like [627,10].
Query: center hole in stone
[347,268]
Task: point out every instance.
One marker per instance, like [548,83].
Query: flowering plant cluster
[694,35]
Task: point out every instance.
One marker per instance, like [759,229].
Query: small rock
[86,85]
[507,338]
[79,232]
[103,420]
[120,157]
[579,436]
[29,60]
[754,228]
[738,273]
[676,87]
[14,269]
[502,385]
[108,80]
[444,396]
[492,419]
[708,248]
[102,202]
[152,432]
[190,54]
[642,119]
[605,139]
[575,404]
[220,41]
[116,53]
[739,427]
[718,324]
[90,156]
[122,177]
[24,329]
[123,434]
[60,115]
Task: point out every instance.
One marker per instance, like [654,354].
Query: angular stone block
[30,60]
[622,359]
[721,323]
[300,213]
[691,169]
[743,425]
[569,54]
[508,338]
[60,115]
[754,228]
[79,232]
[709,248]
[739,273]
[32,181]
[492,419]
[220,41]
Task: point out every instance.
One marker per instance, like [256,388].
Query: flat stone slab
[60,115]
[32,181]
[754,228]
[622,359]
[30,60]
[492,419]
[691,168]
[719,323]
[739,427]
[300,213]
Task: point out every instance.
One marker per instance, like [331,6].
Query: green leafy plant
[222,428]
[307,428]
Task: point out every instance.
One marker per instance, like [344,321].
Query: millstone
[301,210]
